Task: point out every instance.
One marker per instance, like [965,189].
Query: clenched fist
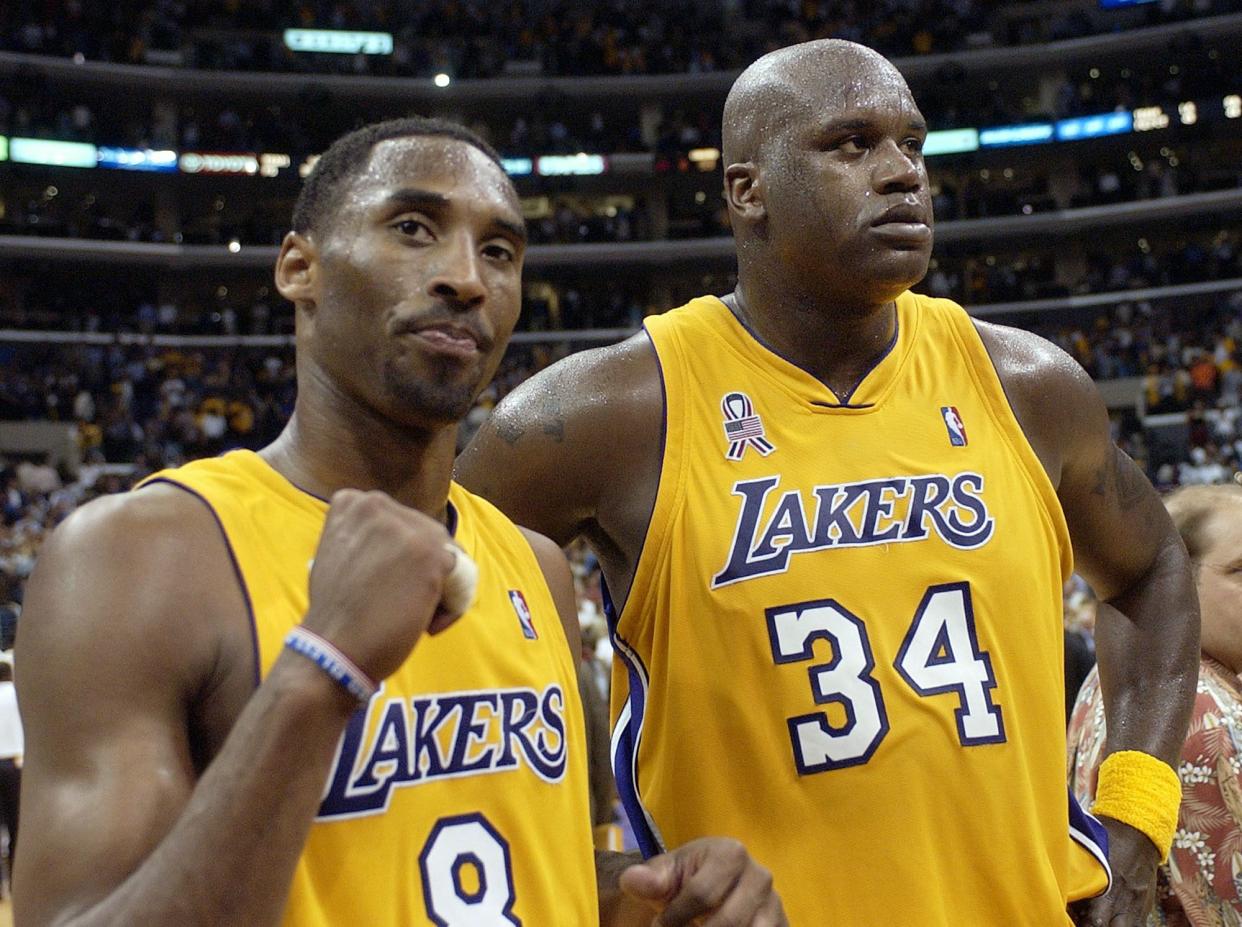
[378,578]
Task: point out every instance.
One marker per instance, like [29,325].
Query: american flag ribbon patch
[743,428]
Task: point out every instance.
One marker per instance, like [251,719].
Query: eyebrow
[415,198]
[859,125]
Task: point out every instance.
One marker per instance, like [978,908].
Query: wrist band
[331,661]
[1137,789]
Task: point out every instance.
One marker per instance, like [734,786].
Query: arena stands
[475,39]
[1085,163]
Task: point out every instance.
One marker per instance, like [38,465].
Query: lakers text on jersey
[458,795]
[843,642]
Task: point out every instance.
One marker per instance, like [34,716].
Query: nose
[896,171]
[457,276]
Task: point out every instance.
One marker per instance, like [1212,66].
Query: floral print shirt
[1201,884]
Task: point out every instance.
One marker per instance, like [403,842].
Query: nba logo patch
[523,614]
[953,422]
[742,427]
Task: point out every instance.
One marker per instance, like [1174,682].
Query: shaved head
[788,87]
[824,177]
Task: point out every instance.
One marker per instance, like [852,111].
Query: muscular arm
[575,450]
[130,657]
[125,644]
[1147,626]
[1147,629]
[1147,633]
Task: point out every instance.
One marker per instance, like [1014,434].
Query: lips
[904,227]
[902,214]
[446,337]
[449,334]
[449,341]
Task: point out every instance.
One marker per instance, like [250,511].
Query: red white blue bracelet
[331,661]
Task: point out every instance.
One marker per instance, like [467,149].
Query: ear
[297,270]
[743,191]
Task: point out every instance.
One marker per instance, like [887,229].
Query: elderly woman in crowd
[1201,882]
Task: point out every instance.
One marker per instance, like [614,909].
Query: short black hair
[350,153]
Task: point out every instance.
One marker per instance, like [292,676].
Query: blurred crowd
[104,211]
[1189,366]
[472,38]
[542,126]
[583,300]
[147,406]
[1183,355]
[979,279]
[137,408]
[130,307]
[548,124]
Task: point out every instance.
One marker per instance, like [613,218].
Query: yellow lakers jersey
[843,643]
[458,795]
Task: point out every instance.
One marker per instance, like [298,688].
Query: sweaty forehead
[872,88]
[808,85]
[436,164]
[850,84]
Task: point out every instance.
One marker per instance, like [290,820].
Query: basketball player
[835,518]
[201,656]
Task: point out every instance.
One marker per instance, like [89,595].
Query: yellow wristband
[1137,789]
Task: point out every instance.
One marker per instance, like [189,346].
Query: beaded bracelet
[333,662]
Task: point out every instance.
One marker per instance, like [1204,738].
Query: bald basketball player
[834,518]
[244,703]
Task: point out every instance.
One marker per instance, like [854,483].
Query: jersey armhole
[988,382]
[670,484]
[233,562]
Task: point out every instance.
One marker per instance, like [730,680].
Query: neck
[324,449]
[835,341]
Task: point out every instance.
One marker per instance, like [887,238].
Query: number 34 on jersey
[939,656]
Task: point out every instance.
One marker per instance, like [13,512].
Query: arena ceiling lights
[950,141]
[578,165]
[56,153]
[337,42]
[518,167]
[234,162]
[137,159]
[52,152]
[1071,130]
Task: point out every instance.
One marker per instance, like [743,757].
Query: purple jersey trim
[1091,835]
[626,737]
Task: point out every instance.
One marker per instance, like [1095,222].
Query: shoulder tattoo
[1121,481]
[510,429]
[547,412]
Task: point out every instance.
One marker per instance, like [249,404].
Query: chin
[902,271]
[443,400]
[884,291]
